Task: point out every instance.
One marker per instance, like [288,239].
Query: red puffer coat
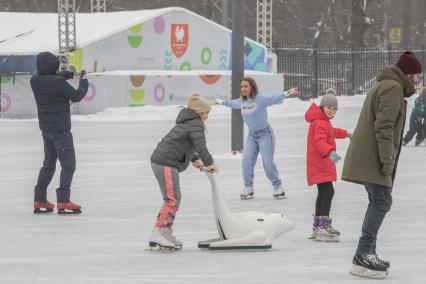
[320,168]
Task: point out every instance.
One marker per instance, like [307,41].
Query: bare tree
[328,22]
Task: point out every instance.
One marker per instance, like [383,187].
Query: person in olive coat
[373,153]
[53,95]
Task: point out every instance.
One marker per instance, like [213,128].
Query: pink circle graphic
[6,103]
[159,88]
[92,89]
[159,25]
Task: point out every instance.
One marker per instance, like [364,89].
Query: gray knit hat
[198,103]
[329,100]
[330,91]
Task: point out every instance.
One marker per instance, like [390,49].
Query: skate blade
[159,248]
[42,210]
[327,240]
[281,196]
[69,211]
[367,273]
[312,237]
[247,197]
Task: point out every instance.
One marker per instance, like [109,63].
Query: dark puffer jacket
[184,143]
[419,109]
[53,94]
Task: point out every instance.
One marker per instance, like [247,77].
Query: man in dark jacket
[53,95]
[373,153]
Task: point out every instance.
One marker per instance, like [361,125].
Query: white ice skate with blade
[247,193]
[168,234]
[279,192]
[324,235]
[158,241]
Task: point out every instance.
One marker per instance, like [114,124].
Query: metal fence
[349,71]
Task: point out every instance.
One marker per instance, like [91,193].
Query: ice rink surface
[120,199]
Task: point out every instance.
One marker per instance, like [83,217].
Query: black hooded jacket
[185,142]
[53,94]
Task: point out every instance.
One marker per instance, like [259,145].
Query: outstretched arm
[236,104]
[340,133]
[277,99]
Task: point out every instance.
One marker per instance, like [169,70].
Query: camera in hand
[83,74]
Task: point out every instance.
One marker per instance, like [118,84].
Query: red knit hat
[409,64]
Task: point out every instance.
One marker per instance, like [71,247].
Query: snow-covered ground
[120,199]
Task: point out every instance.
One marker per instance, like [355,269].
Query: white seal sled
[243,230]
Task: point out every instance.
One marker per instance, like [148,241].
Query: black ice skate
[382,261]
[367,265]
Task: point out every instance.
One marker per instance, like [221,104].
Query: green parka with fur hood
[377,137]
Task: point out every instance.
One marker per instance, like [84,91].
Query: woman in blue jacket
[261,137]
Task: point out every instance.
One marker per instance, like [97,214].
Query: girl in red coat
[321,159]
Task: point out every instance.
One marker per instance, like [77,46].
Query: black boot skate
[367,265]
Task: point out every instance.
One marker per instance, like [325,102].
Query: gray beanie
[329,100]
[330,91]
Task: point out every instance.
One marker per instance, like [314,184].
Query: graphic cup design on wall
[179,38]
[135,38]
[137,95]
[5,102]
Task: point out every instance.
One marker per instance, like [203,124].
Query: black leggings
[324,198]
[416,127]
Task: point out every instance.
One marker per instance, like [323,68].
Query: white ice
[120,198]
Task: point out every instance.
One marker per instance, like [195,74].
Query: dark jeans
[324,198]
[57,146]
[380,202]
[416,127]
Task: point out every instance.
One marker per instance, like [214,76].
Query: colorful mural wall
[133,90]
[17,99]
[139,89]
[175,40]
[151,55]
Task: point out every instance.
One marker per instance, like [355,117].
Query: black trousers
[57,146]
[324,198]
[417,127]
